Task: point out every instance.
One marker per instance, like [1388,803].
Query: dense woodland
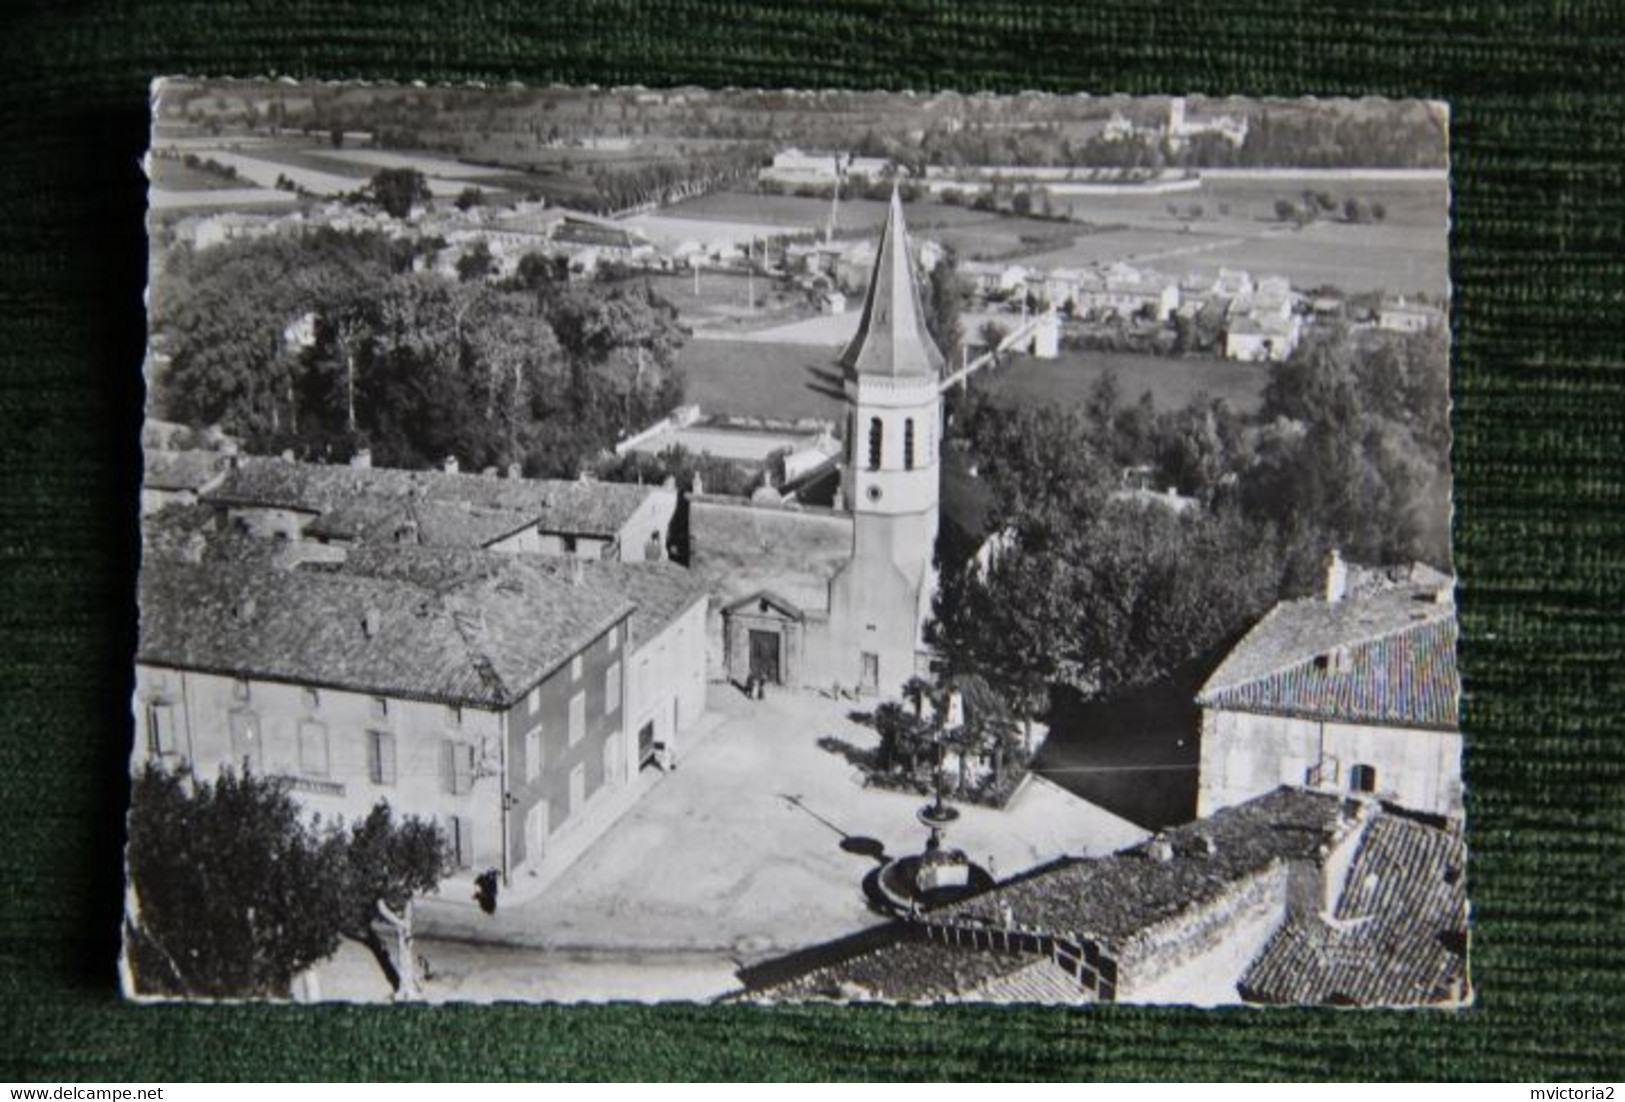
[532,371]
[1349,451]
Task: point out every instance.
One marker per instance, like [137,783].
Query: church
[838,597]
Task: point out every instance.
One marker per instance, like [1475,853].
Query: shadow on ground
[860,756]
[1137,755]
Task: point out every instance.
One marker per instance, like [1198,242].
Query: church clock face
[874,493]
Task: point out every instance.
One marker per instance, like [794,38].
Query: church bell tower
[890,480]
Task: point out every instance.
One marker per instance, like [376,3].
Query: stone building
[1293,896]
[281,498]
[506,697]
[1352,690]
[839,596]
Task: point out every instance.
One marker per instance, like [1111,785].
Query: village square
[628,544]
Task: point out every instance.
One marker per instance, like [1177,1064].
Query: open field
[752,379]
[173,175]
[793,211]
[776,379]
[1171,381]
[327,171]
[1408,252]
[371,160]
[724,299]
[232,198]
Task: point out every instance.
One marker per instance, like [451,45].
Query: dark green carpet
[1540,399]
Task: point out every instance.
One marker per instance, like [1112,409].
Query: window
[533,753]
[533,701]
[313,699]
[245,739]
[454,715]
[1363,778]
[612,689]
[614,638]
[568,543]
[578,717]
[313,749]
[239,691]
[459,767]
[536,829]
[161,730]
[380,708]
[875,441]
[908,444]
[578,787]
[381,757]
[575,668]
[460,833]
[613,765]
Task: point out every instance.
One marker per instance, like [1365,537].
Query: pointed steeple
[892,339]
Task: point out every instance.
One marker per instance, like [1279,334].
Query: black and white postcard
[670,544]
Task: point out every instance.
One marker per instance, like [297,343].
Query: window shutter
[161,730]
[313,749]
[459,767]
[245,739]
[612,689]
[462,841]
[381,757]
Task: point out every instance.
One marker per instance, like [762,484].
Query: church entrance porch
[764,640]
[764,656]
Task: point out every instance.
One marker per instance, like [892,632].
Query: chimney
[698,486]
[1337,577]
[287,455]
[449,464]
[246,609]
[1205,845]
[372,623]
[515,471]
[362,459]
[1160,850]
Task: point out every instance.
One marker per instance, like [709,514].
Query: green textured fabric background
[1538,265]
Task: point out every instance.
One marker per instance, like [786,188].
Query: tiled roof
[738,549]
[1398,938]
[1385,658]
[482,639]
[895,964]
[660,591]
[572,507]
[1113,898]
[180,470]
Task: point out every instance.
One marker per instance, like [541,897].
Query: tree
[387,866]
[477,263]
[398,190]
[945,295]
[469,198]
[231,894]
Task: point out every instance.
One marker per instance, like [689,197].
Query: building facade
[1354,690]
[495,695]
